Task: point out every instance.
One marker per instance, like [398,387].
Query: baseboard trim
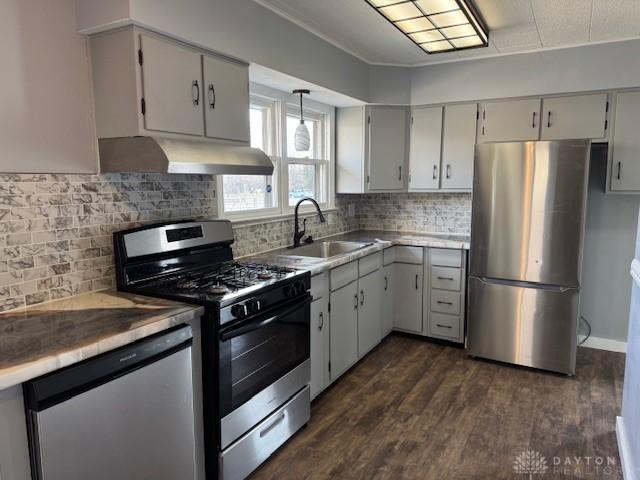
[601,343]
[626,459]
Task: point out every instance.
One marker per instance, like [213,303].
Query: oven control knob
[300,288]
[254,306]
[239,311]
[290,291]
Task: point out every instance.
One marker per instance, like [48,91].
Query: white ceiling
[514,25]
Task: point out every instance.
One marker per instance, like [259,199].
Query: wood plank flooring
[417,410]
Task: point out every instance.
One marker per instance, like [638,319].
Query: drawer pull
[445,303]
[321,321]
[416,281]
[272,425]
[443,326]
[445,278]
[355,298]
[386,283]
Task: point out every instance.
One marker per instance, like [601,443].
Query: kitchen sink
[326,249]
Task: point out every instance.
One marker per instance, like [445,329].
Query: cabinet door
[387,148]
[580,116]
[227,99]
[513,120]
[370,312]
[344,328]
[319,346]
[408,297]
[172,87]
[424,152]
[458,146]
[625,148]
[387,299]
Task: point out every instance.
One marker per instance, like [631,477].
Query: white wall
[594,67]
[608,250]
[46,113]
[242,29]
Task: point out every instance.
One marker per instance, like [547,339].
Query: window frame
[282,105]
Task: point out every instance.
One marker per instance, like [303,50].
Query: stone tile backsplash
[56,230]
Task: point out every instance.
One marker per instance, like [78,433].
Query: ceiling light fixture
[436,26]
[301,138]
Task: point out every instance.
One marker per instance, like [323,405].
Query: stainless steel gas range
[255,335]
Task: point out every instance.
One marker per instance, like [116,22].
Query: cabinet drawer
[319,286]
[370,263]
[409,254]
[446,326]
[445,257]
[445,301]
[445,278]
[343,275]
[389,256]
[244,456]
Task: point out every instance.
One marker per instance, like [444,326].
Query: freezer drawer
[523,325]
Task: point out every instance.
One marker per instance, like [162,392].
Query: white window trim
[286,104]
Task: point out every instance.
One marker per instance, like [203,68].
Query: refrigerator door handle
[537,286]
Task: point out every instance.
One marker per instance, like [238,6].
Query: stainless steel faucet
[297,234]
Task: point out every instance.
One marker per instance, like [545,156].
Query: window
[296,175]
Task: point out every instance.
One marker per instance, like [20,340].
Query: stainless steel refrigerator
[526,251]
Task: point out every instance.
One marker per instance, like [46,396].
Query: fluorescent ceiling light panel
[436,25]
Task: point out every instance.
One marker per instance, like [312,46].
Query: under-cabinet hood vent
[170,155]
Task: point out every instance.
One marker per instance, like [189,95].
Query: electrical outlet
[351,210]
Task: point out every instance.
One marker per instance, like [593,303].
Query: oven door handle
[257,324]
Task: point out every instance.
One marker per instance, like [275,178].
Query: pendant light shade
[302,141]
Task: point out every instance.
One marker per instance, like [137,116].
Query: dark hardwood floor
[416,410]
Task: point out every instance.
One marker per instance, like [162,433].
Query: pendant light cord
[301,117]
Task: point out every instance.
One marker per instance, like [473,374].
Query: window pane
[302,182]
[256,125]
[292,124]
[247,192]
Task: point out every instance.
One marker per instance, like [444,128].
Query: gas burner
[219,289]
[264,274]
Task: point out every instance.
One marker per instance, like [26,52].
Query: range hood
[170,155]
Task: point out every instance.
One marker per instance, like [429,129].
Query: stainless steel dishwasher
[126,414]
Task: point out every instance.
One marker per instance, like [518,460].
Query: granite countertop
[379,239]
[40,339]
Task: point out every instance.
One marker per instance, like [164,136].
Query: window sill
[272,218]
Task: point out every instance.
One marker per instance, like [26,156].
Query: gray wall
[242,29]
[594,67]
[608,250]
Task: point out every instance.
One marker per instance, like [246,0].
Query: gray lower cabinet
[319,347]
[408,297]
[344,328]
[369,312]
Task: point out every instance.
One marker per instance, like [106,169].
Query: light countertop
[379,240]
[43,338]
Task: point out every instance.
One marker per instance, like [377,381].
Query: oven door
[261,350]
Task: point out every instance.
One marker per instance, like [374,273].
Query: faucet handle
[309,239]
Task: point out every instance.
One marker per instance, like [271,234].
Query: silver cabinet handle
[400,172]
[445,303]
[533,122]
[195,92]
[443,326]
[355,298]
[448,170]
[435,172]
[212,96]
[416,281]
[321,321]
[361,297]
[619,169]
[386,283]
[549,119]
[445,278]
[272,425]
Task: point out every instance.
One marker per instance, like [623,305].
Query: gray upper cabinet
[579,116]
[425,148]
[145,83]
[371,149]
[387,148]
[458,146]
[171,87]
[624,149]
[226,103]
[510,120]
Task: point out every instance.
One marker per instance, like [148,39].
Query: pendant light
[302,141]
